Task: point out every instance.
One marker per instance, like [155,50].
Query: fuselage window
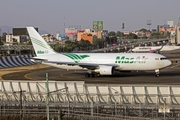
[163,58]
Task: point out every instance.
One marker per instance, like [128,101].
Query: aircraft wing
[93,65]
[84,65]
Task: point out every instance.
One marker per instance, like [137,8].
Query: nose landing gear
[157,73]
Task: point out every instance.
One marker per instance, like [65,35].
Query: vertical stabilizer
[40,46]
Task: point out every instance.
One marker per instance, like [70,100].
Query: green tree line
[85,45]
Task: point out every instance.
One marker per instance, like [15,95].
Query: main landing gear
[90,75]
[157,73]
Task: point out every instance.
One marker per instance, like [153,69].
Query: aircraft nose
[168,62]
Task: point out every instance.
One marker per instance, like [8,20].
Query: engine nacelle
[105,70]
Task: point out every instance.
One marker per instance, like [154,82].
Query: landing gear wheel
[98,74]
[92,75]
[157,75]
[87,75]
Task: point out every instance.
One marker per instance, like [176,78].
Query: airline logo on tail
[42,52]
[40,43]
[76,57]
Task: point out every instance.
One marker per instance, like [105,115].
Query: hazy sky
[50,15]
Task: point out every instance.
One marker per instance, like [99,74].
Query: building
[15,39]
[10,39]
[48,37]
[170,23]
[166,29]
[58,37]
[178,32]
[88,37]
[89,34]
[18,36]
[71,33]
[173,37]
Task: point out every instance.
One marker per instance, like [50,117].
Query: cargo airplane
[96,63]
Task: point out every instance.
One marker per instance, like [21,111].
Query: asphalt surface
[169,75]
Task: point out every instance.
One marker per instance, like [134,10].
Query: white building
[10,39]
[48,37]
[58,37]
[170,23]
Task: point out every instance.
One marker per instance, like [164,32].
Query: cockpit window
[163,58]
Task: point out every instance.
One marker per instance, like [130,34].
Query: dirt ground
[23,69]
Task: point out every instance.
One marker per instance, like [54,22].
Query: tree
[98,43]
[119,34]
[1,43]
[143,30]
[4,37]
[26,43]
[111,40]
[84,44]
[132,36]
[56,47]
[112,34]
[69,46]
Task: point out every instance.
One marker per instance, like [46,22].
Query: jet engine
[105,70]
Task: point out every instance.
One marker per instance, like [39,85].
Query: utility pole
[164,109]
[149,24]
[47,98]
[20,99]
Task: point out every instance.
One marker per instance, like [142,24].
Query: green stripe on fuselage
[76,57]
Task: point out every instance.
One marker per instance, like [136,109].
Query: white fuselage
[124,61]
[155,48]
[95,63]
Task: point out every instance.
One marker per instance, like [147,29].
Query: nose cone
[168,63]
